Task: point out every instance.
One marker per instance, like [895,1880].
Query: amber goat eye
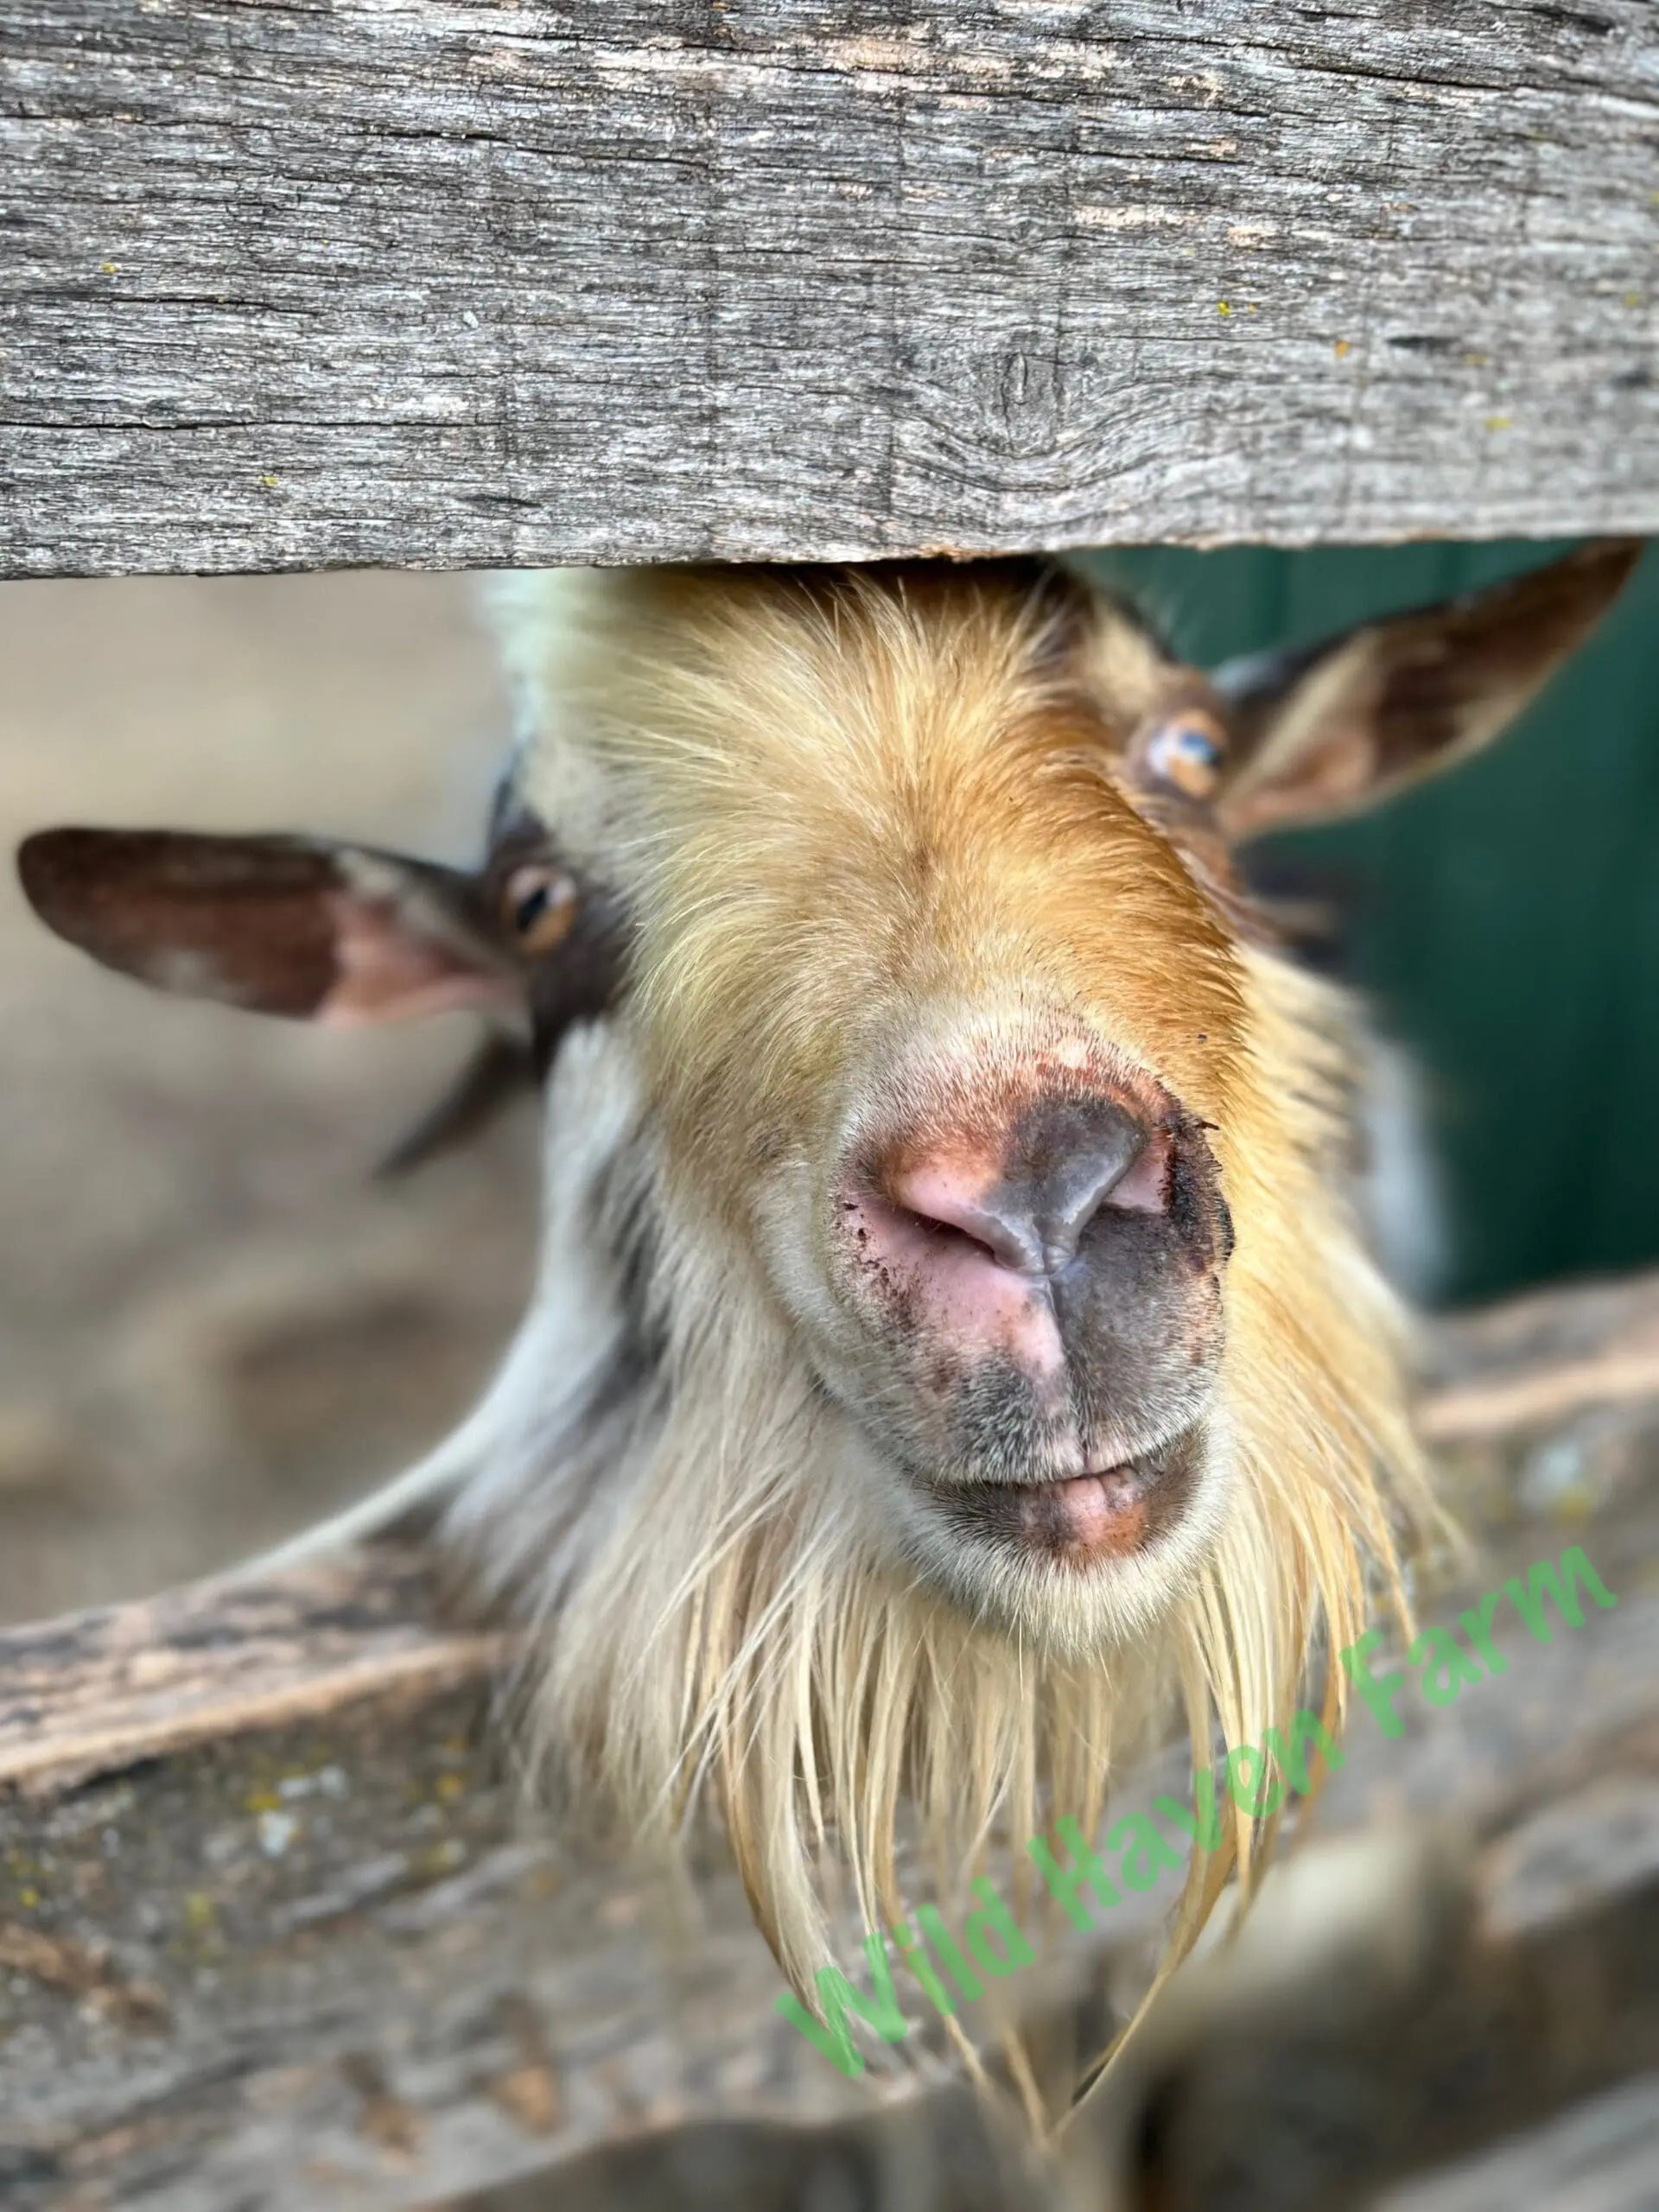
[539,905]
[1188,751]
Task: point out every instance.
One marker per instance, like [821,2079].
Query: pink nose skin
[971,1234]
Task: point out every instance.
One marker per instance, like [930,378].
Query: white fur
[496,1477]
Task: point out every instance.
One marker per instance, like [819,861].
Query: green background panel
[1504,918]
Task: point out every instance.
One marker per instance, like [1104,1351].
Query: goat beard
[716,1620]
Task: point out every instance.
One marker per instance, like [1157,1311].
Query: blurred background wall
[214,1323]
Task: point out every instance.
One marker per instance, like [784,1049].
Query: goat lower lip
[1092,1514]
[1074,1520]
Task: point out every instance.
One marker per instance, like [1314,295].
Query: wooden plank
[1603,2154]
[466,282]
[320,1958]
[108,1688]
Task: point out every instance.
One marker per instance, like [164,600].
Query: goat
[952,1350]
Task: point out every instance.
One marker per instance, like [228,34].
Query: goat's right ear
[1333,727]
[335,933]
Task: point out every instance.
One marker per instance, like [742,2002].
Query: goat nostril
[945,1233]
[953,1211]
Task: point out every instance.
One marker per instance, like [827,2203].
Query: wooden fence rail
[481,282]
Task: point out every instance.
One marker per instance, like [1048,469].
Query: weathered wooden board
[463,281]
[108,1690]
[1603,2154]
[317,1957]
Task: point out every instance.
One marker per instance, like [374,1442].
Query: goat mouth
[1073,1521]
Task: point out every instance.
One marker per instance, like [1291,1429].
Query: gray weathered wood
[297,1947]
[1601,2156]
[222,1659]
[466,281]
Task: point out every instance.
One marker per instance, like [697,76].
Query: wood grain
[471,282]
[106,1689]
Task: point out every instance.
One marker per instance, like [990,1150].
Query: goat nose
[1062,1161]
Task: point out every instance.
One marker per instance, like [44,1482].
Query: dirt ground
[214,1323]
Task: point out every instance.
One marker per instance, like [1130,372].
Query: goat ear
[1333,729]
[317,932]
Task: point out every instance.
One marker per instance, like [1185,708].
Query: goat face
[950,1325]
[939,1014]
[958,1042]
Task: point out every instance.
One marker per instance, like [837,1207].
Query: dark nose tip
[1064,1159]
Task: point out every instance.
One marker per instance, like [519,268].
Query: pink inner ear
[386,970]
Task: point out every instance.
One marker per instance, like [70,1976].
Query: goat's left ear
[1329,729]
[298,926]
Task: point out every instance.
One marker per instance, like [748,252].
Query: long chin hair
[722,1623]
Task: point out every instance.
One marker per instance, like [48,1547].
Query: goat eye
[539,905]
[1188,751]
